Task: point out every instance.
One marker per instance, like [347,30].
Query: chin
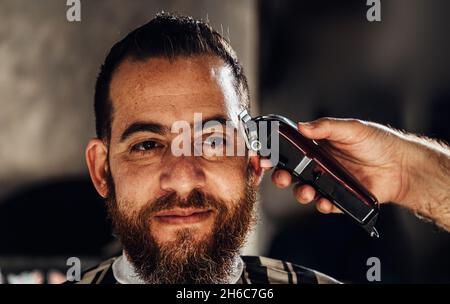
[180,234]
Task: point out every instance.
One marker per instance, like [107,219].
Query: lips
[183,216]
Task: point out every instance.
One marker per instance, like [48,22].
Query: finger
[339,130]
[304,194]
[281,178]
[326,207]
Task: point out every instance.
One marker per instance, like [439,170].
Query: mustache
[195,199]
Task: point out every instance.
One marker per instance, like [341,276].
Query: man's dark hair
[165,36]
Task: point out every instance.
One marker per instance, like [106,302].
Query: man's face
[167,207]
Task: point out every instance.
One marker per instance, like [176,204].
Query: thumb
[333,129]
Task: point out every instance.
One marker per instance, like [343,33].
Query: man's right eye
[146,146]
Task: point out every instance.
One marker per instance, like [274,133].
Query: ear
[259,167]
[96,159]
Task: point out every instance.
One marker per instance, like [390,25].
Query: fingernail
[277,174]
[306,125]
[303,197]
[324,207]
[320,206]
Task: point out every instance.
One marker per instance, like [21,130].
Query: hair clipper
[310,163]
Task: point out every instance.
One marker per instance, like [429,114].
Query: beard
[185,260]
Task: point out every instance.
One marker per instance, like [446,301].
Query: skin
[163,92]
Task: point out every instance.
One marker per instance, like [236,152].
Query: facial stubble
[187,259]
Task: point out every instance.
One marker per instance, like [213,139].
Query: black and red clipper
[310,163]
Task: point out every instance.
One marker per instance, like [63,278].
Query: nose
[182,175]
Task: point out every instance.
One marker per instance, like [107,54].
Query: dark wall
[323,58]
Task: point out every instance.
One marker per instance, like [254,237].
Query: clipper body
[307,161]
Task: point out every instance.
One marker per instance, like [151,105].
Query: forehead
[166,91]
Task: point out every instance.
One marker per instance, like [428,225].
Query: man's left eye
[215,141]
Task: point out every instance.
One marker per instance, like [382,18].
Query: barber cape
[246,270]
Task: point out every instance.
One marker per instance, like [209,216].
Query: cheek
[228,180]
[135,187]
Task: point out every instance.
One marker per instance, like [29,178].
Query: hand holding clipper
[307,161]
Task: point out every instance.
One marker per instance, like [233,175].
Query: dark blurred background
[304,59]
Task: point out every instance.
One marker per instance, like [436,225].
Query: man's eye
[146,146]
[215,141]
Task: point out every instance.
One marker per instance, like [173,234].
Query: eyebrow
[160,129]
[220,119]
[143,127]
